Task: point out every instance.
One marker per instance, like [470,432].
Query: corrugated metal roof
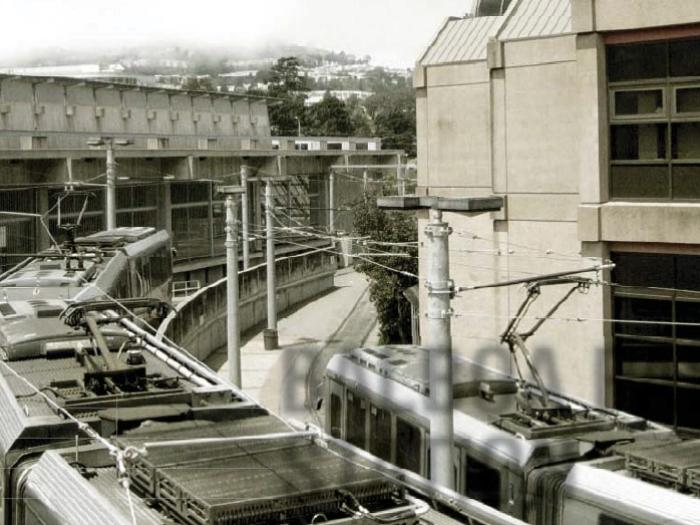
[533,18]
[462,40]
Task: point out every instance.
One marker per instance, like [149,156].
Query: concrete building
[585,115]
[182,145]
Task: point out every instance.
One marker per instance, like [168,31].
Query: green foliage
[329,118]
[198,84]
[393,114]
[386,286]
[288,85]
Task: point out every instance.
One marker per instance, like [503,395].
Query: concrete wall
[514,125]
[31,104]
[618,15]
[199,324]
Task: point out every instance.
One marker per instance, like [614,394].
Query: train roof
[487,406]
[618,492]
[264,474]
[69,369]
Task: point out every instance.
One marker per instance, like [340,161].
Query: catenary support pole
[438,342]
[271,334]
[232,317]
[245,225]
[400,175]
[364,181]
[111,191]
[331,202]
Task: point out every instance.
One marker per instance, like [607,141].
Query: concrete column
[165,211]
[438,342]
[111,190]
[271,333]
[42,206]
[400,175]
[232,324]
[245,218]
[210,219]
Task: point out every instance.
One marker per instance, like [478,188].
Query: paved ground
[286,380]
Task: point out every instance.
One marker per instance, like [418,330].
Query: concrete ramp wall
[199,323]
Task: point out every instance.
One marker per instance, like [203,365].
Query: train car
[509,453]
[123,262]
[114,426]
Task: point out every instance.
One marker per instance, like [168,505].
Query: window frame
[669,116]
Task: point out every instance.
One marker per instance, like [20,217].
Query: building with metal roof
[176,147]
[584,115]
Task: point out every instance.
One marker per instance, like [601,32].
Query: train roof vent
[673,464]
[288,480]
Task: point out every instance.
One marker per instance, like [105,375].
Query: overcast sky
[393,32]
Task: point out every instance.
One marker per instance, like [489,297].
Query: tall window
[655,120]
[657,354]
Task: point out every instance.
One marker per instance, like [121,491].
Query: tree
[329,118]
[198,84]
[393,115]
[288,85]
[387,286]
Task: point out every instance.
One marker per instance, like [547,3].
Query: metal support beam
[271,334]
[111,190]
[245,225]
[438,341]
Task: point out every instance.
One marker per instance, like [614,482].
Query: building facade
[585,115]
[181,145]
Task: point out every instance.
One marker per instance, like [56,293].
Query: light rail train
[569,463]
[102,422]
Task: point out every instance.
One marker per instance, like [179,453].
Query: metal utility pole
[331,202]
[111,186]
[244,218]
[233,335]
[438,339]
[111,190]
[271,336]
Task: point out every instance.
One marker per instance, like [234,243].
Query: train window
[408,446]
[609,520]
[380,433]
[336,406]
[356,412]
[482,482]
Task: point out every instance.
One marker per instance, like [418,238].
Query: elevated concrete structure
[182,145]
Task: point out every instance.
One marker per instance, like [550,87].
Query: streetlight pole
[233,336]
